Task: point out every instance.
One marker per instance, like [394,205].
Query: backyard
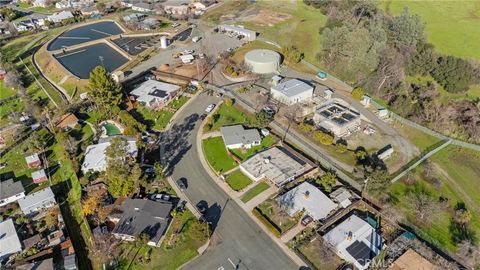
[244,154]
[272,210]
[319,254]
[256,190]
[216,154]
[237,180]
[157,120]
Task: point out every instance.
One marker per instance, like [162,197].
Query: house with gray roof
[9,242]
[10,191]
[155,94]
[238,137]
[142,217]
[292,92]
[37,201]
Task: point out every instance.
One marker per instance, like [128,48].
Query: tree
[229,102]
[358,93]
[422,203]
[262,119]
[341,147]
[292,54]
[323,138]
[327,181]
[454,74]
[106,93]
[51,219]
[306,127]
[13,79]
[91,203]
[463,216]
[132,125]
[123,173]
[377,180]
[406,29]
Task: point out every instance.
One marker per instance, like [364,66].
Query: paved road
[237,240]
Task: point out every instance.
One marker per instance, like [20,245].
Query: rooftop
[143,216]
[293,87]
[38,174]
[36,198]
[152,88]
[276,164]
[238,135]
[33,158]
[309,198]
[95,158]
[9,242]
[67,120]
[10,188]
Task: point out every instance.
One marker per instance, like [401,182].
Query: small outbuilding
[33,161]
[67,121]
[39,176]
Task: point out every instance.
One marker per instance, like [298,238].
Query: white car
[188,51]
[210,108]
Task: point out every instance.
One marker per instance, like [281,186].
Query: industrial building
[248,34]
[292,92]
[355,241]
[337,117]
[276,164]
[262,61]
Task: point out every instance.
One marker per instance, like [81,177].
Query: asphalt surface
[237,241]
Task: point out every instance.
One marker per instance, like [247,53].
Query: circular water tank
[262,61]
[163,42]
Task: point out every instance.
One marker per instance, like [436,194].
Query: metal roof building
[292,92]
[262,61]
[250,35]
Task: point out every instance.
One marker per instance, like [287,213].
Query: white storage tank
[163,42]
[262,61]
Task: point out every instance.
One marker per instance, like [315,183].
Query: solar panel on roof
[361,252]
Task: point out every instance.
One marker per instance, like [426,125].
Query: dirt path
[471,203]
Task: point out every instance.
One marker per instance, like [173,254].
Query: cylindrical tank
[262,61]
[163,42]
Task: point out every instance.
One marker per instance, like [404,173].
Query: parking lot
[136,45]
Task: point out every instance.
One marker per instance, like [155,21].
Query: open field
[452,26]
[454,178]
[6,92]
[237,180]
[217,155]
[244,154]
[420,139]
[155,119]
[253,192]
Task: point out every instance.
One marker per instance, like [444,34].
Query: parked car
[201,55]
[160,197]
[188,51]
[230,50]
[218,95]
[182,184]
[181,206]
[210,108]
[174,25]
[269,111]
[196,39]
[306,220]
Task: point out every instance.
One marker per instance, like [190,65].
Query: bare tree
[423,204]
[469,253]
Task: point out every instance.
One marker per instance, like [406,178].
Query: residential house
[40,3]
[355,241]
[37,201]
[134,17]
[95,159]
[292,92]
[33,161]
[67,121]
[176,7]
[39,176]
[142,216]
[238,137]
[142,7]
[24,25]
[276,164]
[9,242]
[308,198]
[411,260]
[32,241]
[10,191]
[155,94]
[60,16]
[89,11]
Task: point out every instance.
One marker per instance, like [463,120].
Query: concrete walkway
[211,134]
[234,196]
[294,231]
[260,198]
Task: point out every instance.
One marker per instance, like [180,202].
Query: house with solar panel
[355,241]
[155,94]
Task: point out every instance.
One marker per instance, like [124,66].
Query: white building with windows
[292,92]
[237,136]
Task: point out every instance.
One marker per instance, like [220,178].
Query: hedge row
[267,222]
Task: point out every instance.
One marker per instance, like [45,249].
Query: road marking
[232,263]
[98,31]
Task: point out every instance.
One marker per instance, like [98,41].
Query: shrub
[323,138]
[358,93]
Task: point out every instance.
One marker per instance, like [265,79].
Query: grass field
[227,115]
[457,171]
[420,139]
[177,103]
[452,26]
[237,180]
[445,96]
[253,192]
[318,253]
[244,154]
[6,92]
[156,119]
[217,155]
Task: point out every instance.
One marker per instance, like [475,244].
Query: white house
[306,197]
[37,201]
[40,3]
[9,242]
[10,191]
[60,16]
[355,241]
[292,92]
[238,137]
[153,93]
[95,158]
[142,7]
[176,7]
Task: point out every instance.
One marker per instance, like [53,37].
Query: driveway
[237,241]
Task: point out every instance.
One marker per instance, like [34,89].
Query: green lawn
[457,180]
[452,26]
[177,103]
[253,192]
[216,154]
[6,92]
[420,139]
[173,255]
[238,181]
[244,154]
[226,115]
[156,119]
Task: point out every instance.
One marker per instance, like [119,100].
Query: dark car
[160,197]
[182,183]
[306,220]
[269,111]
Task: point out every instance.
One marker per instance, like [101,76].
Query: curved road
[237,241]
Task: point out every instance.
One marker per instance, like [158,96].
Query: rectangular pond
[84,34]
[81,61]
